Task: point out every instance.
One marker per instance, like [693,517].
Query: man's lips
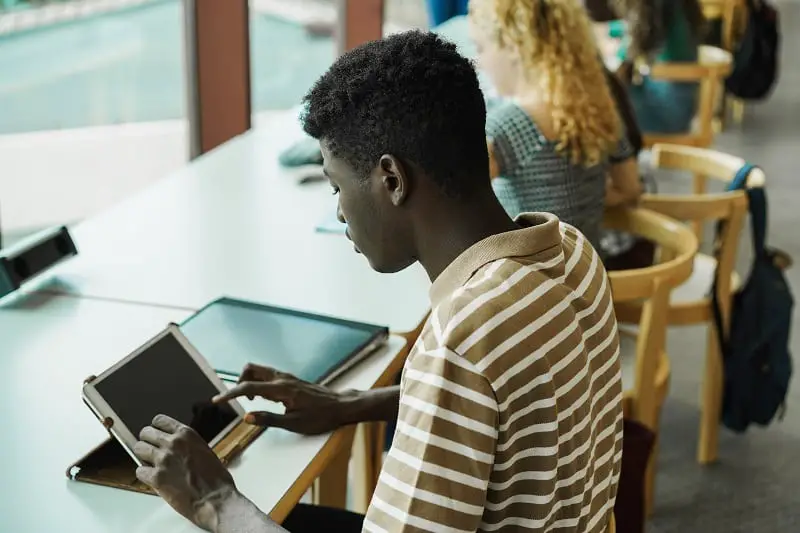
[349,238]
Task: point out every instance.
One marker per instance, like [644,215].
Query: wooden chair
[690,303]
[713,66]
[733,16]
[646,367]
[728,12]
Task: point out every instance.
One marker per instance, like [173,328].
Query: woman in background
[655,31]
[556,143]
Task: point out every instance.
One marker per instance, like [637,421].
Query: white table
[48,345]
[235,223]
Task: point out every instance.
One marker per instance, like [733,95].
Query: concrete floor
[752,488]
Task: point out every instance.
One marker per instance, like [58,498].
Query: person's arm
[626,113]
[623,186]
[377,405]
[436,475]
[178,464]
[494,165]
[311,409]
[233,513]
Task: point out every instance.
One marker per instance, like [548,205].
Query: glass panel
[292,44]
[286,58]
[92,98]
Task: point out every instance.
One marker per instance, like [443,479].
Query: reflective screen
[231,334]
[164,379]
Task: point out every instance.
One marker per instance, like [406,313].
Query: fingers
[147,475]
[166,424]
[253,372]
[248,388]
[270,391]
[154,436]
[146,452]
[250,373]
[264,418]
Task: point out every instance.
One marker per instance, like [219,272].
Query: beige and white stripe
[510,413]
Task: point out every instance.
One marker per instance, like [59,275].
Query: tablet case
[110,465]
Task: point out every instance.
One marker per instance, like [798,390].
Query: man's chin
[383,268]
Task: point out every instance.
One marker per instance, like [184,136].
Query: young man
[509,414]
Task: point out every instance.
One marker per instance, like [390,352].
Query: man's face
[370,206]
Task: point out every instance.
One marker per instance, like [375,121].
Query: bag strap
[757,204]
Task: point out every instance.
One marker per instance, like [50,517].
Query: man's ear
[394,179]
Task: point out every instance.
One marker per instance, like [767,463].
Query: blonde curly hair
[553,39]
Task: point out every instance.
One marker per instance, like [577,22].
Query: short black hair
[411,95]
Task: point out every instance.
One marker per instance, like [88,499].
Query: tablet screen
[164,379]
[231,333]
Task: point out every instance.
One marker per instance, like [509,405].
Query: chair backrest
[712,67]
[730,207]
[724,11]
[652,284]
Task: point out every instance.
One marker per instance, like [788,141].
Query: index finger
[269,391]
[166,424]
[253,372]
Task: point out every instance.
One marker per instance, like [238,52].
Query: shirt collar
[538,232]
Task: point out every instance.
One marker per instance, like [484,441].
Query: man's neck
[447,233]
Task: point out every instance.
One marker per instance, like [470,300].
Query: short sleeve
[623,152]
[437,472]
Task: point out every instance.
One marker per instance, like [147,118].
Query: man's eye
[335,191]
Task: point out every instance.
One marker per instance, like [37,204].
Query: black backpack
[757,365]
[755,60]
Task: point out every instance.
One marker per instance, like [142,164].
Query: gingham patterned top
[534,177]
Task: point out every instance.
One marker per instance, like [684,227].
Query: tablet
[167,375]
[232,333]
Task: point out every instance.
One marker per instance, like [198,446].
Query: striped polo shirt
[511,400]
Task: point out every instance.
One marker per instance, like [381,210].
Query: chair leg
[737,110]
[711,401]
[363,456]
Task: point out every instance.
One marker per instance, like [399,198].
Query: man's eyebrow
[325,172]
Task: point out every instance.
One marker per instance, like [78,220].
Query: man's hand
[184,471]
[310,409]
